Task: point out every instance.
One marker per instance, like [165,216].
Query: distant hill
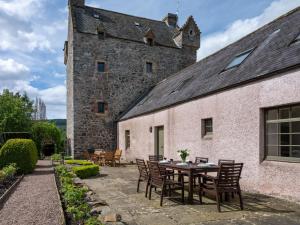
[61,123]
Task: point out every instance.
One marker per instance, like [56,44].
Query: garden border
[9,191]
[62,211]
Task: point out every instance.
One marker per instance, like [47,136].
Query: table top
[189,166]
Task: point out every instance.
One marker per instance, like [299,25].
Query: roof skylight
[238,59]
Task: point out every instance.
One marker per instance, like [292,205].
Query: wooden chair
[226,181]
[109,158]
[201,160]
[155,158]
[159,179]
[118,154]
[225,161]
[143,174]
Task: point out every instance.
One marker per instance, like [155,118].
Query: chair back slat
[143,170]
[229,175]
[225,161]
[155,158]
[155,173]
[118,154]
[201,160]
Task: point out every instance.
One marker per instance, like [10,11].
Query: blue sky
[33,33]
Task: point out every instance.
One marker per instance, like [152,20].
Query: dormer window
[150,41]
[101,67]
[238,59]
[297,39]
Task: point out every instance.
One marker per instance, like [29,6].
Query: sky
[33,32]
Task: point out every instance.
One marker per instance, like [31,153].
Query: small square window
[150,41]
[101,67]
[207,125]
[149,67]
[100,107]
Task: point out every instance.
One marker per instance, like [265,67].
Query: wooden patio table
[190,169]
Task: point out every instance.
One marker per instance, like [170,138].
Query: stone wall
[124,81]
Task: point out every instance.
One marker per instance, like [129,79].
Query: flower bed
[8,178]
[73,197]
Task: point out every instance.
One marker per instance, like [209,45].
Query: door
[159,140]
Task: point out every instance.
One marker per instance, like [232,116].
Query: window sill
[283,159]
[208,137]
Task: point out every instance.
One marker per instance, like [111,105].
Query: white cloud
[12,70]
[23,9]
[240,28]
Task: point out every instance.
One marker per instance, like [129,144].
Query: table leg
[191,186]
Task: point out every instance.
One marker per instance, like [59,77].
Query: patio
[117,186]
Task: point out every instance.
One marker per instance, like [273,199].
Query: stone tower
[112,61]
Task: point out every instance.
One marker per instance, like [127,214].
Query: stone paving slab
[35,201]
[118,187]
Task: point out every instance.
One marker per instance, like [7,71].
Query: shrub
[86,171]
[22,152]
[79,162]
[56,157]
[10,170]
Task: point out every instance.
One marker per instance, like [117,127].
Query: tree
[15,112]
[45,132]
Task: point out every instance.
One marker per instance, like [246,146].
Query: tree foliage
[15,112]
[45,132]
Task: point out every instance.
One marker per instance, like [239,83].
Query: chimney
[76,2]
[171,20]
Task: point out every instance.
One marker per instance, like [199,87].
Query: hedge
[86,171]
[78,162]
[22,152]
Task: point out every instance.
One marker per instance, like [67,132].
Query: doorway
[159,140]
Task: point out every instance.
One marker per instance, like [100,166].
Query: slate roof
[272,54]
[121,25]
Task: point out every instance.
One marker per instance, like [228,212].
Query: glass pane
[296,112]
[296,139]
[101,107]
[296,151]
[284,139]
[101,67]
[272,128]
[284,128]
[285,151]
[296,127]
[272,114]
[272,139]
[238,59]
[284,113]
[208,122]
[272,150]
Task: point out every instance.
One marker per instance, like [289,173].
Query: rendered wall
[237,132]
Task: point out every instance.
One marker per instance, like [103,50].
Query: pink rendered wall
[237,133]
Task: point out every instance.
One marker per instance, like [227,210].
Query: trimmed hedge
[22,152]
[78,162]
[86,171]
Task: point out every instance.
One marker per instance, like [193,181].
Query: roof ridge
[124,14]
[257,30]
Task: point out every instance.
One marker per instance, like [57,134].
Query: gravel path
[35,201]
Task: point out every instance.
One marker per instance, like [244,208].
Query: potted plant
[183,153]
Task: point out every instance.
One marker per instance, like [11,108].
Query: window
[296,40]
[149,68]
[101,67]
[207,127]
[101,107]
[127,139]
[238,59]
[283,132]
[150,41]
